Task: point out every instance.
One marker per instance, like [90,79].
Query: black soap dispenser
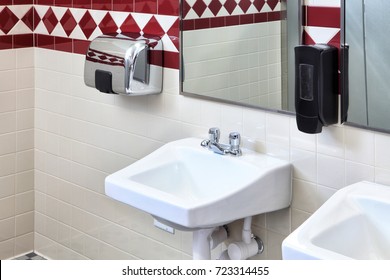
[316,87]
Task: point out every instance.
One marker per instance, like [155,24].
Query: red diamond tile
[108,25]
[307,39]
[259,4]
[215,6]
[68,22]
[130,25]
[244,5]
[272,3]
[87,24]
[185,9]
[335,41]
[199,7]
[28,19]
[230,5]
[7,20]
[50,20]
[173,34]
[153,27]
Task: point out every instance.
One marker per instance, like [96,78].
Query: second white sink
[188,187]
[352,224]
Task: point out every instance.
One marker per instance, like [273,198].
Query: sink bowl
[353,224]
[188,187]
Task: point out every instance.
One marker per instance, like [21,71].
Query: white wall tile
[25,160]
[7,164]
[24,244]
[8,60]
[76,147]
[331,141]
[25,98]
[24,181]
[359,145]
[382,151]
[25,119]
[300,140]
[7,101]
[8,80]
[323,3]
[278,129]
[304,196]
[7,143]
[24,202]
[24,223]
[7,186]
[25,78]
[7,249]
[25,58]
[7,207]
[324,193]
[7,122]
[382,176]
[7,229]
[304,165]
[356,172]
[331,171]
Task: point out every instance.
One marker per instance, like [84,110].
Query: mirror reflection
[366,23]
[235,52]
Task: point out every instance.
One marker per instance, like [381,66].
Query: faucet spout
[219,148]
[213,144]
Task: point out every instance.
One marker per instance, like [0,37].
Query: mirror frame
[294,38]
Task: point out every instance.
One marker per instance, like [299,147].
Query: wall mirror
[237,51]
[366,25]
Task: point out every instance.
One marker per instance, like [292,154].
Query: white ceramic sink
[189,187]
[353,224]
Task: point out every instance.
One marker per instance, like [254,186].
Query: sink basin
[353,224]
[188,187]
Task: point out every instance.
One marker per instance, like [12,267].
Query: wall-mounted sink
[188,187]
[353,224]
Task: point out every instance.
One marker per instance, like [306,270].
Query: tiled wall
[16,152]
[82,135]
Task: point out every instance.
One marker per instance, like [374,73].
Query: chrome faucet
[213,144]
